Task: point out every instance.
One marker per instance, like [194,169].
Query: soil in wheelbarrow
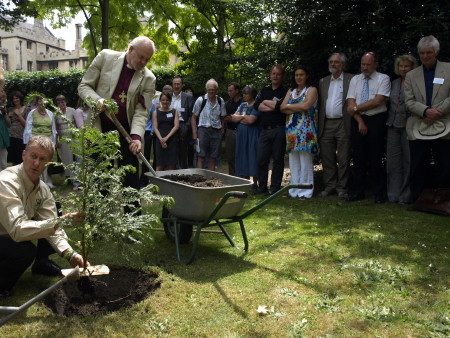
[101,294]
[196,180]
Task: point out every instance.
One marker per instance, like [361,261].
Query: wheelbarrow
[206,206]
[201,206]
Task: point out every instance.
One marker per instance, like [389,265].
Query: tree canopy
[239,40]
[14,11]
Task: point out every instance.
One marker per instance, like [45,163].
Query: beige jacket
[415,95]
[28,211]
[101,79]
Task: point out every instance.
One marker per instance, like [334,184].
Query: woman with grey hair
[397,149]
[247,136]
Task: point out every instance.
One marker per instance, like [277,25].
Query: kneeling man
[28,212]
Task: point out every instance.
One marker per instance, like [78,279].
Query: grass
[321,267]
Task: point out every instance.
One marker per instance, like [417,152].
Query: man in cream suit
[334,127]
[427,97]
[124,77]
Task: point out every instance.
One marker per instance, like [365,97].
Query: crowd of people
[366,130]
[347,119]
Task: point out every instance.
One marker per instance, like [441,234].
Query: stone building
[33,47]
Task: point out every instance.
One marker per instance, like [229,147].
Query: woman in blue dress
[301,132]
[247,135]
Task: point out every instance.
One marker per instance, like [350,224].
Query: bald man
[124,77]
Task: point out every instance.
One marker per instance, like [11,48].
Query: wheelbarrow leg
[177,240]
[225,233]
[244,235]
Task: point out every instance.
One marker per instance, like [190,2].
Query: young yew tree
[102,197]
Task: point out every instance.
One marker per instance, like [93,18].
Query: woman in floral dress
[301,133]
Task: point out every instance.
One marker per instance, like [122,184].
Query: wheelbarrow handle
[238,194]
[128,138]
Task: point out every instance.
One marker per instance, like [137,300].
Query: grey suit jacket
[101,79]
[416,99]
[324,85]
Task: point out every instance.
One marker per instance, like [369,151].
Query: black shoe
[355,197]
[273,191]
[4,294]
[261,191]
[379,199]
[45,267]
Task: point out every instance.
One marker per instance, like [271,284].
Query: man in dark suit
[183,103]
[334,127]
[427,97]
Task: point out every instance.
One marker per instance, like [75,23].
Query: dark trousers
[131,179]
[184,137]
[16,257]
[272,144]
[368,153]
[230,147]
[149,142]
[421,177]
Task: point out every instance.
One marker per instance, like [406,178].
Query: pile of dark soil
[123,287]
[195,180]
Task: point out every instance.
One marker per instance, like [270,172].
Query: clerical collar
[125,63]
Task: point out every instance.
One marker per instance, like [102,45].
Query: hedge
[54,82]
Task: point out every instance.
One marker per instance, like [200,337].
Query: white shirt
[210,115]
[379,84]
[176,104]
[334,101]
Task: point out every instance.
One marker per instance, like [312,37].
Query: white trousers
[302,172]
[3,158]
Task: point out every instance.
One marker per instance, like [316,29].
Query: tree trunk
[104,5]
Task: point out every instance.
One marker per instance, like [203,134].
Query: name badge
[169,115]
[438,80]
[181,110]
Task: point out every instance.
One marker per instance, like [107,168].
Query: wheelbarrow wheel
[184,229]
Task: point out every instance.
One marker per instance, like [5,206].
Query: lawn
[321,267]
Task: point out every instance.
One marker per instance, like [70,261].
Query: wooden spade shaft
[128,138]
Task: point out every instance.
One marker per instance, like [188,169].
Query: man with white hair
[124,77]
[427,97]
[209,110]
[334,127]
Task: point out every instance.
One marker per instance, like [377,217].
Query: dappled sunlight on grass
[322,267]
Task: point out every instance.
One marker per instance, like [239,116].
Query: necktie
[365,91]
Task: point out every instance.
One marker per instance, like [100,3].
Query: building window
[29,44]
[47,49]
[71,64]
[5,61]
[53,65]
[30,66]
[0,41]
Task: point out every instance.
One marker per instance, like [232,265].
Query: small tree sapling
[102,197]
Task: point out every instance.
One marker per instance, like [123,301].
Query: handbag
[53,168]
[435,201]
